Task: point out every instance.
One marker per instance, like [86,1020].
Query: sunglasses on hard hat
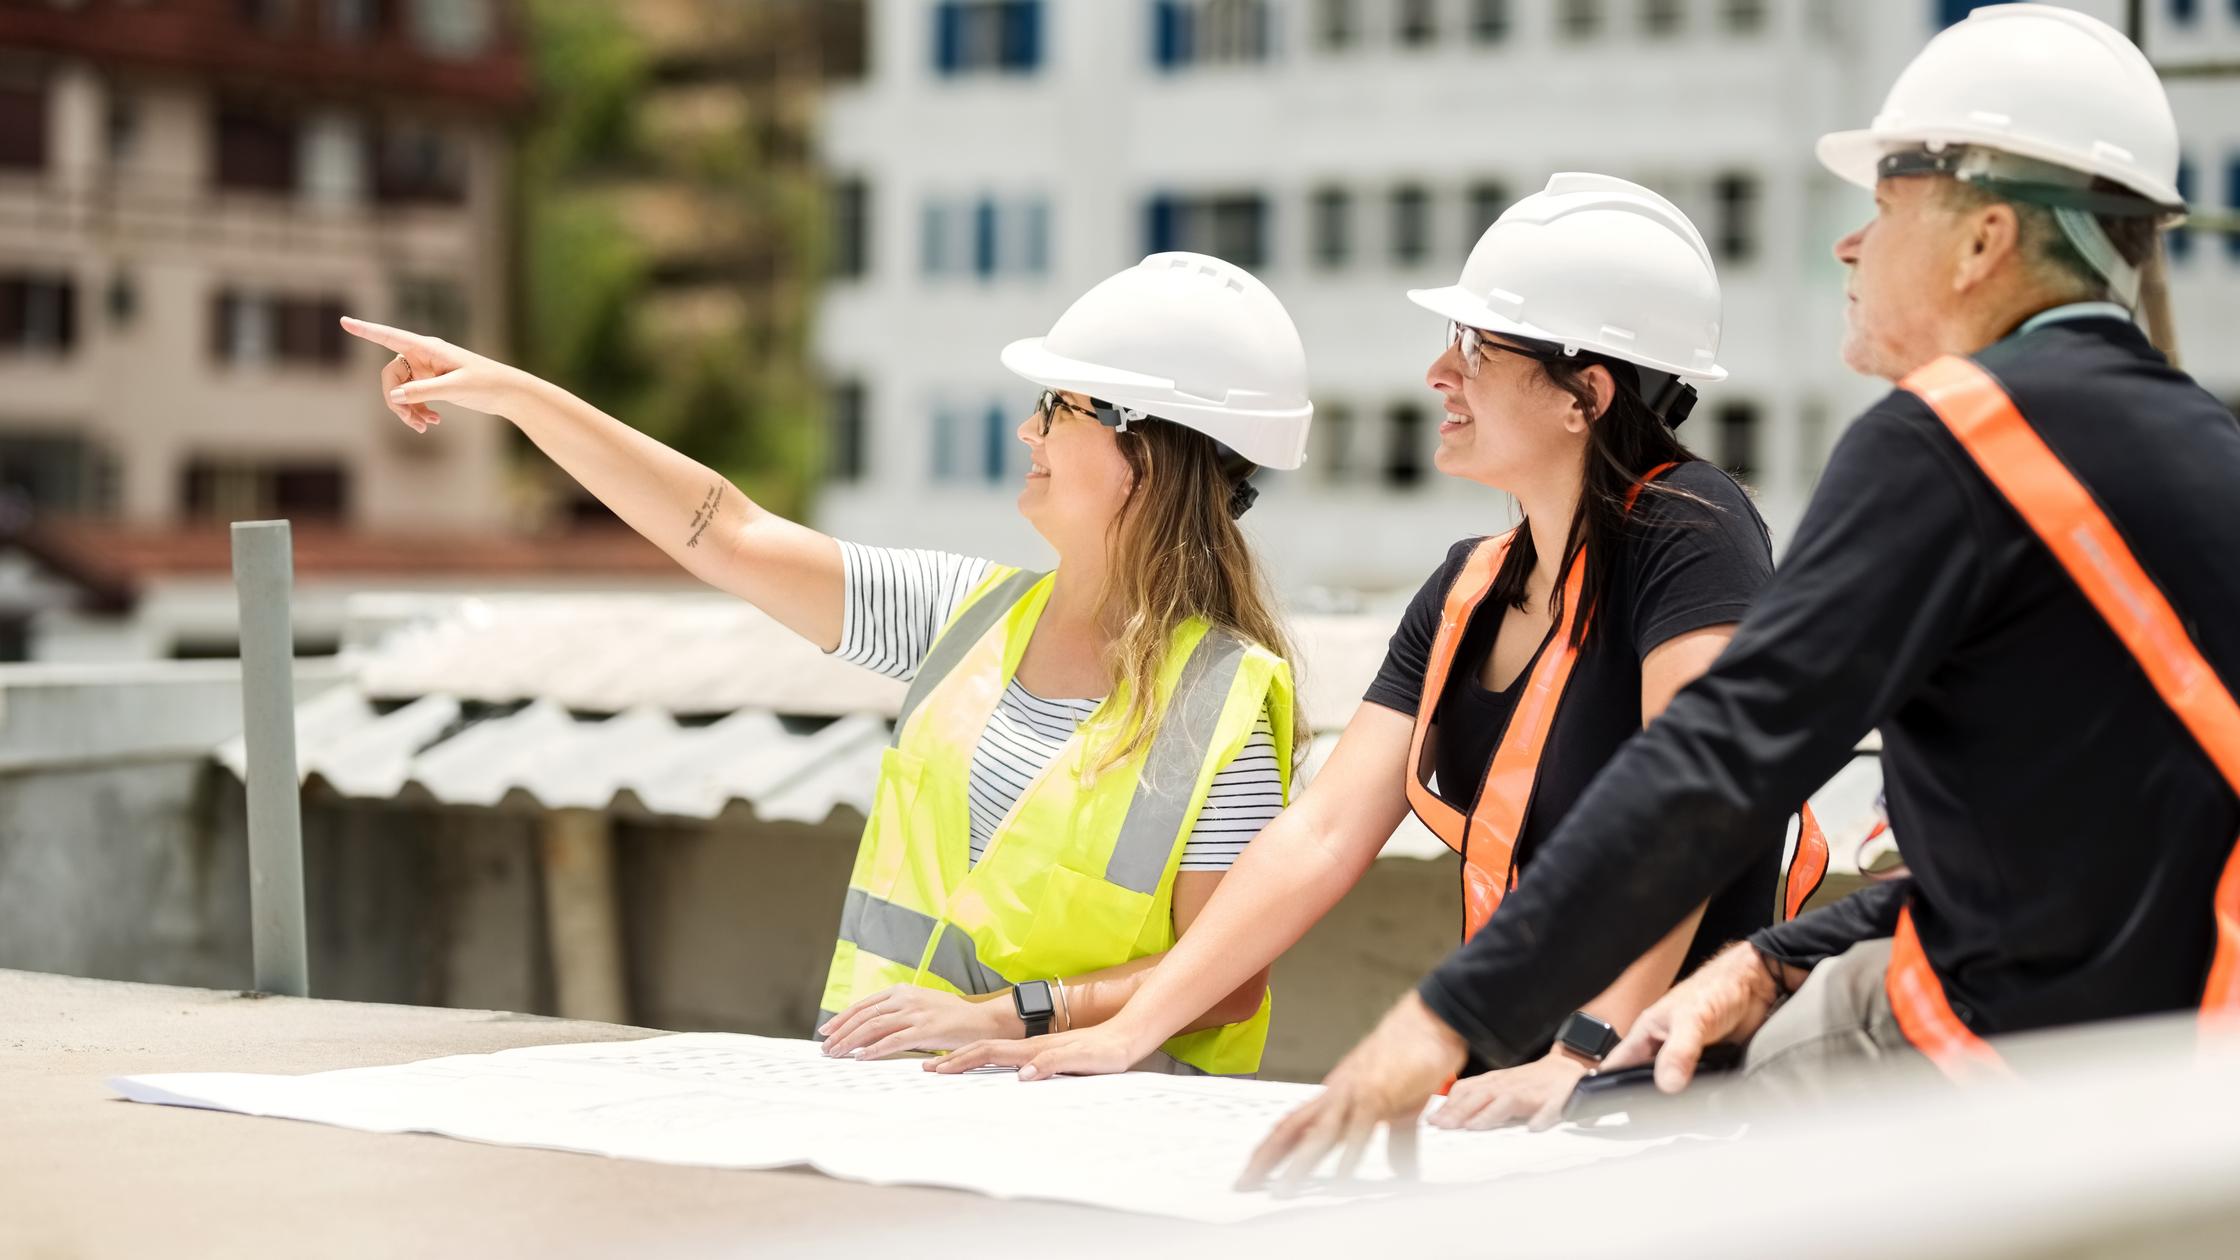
[1046,410]
[1475,342]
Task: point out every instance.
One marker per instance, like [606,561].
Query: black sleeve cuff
[1489,1048]
[1770,943]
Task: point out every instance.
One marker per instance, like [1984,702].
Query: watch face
[1033,999]
[1585,1035]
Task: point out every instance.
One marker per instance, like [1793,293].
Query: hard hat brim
[1852,155]
[1855,156]
[1273,438]
[1465,307]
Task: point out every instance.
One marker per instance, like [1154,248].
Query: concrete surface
[83,1173]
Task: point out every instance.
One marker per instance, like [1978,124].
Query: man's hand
[907,1017]
[1533,1093]
[1727,1000]
[1386,1080]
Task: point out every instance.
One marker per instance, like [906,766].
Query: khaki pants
[1835,1034]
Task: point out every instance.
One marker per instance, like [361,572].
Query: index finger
[1277,1145]
[396,339]
[980,1054]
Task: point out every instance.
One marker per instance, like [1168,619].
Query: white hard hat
[2035,81]
[1187,338]
[1594,263]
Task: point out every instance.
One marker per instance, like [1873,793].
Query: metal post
[263,575]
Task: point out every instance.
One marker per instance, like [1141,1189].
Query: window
[254,328]
[948,460]
[984,239]
[845,457]
[418,163]
[933,239]
[996,441]
[1951,11]
[1332,214]
[1193,32]
[1331,459]
[122,126]
[1336,23]
[231,490]
[1738,439]
[1745,17]
[1580,19]
[2178,241]
[353,20]
[2183,12]
[432,305]
[23,123]
[453,28]
[1489,21]
[2232,204]
[1663,18]
[1232,226]
[1411,224]
[851,229]
[1735,230]
[271,16]
[1419,22]
[58,473]
[1486,200]
[982,36]
[256,148]
[1029,238]
[38,313]
[1403,452]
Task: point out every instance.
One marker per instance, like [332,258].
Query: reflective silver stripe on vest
[899,935]
[958,638]
[1170,772]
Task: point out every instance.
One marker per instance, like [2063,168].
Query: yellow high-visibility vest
[1077,877]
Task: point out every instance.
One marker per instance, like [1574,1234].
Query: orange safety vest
[2062,513]
[1487,837]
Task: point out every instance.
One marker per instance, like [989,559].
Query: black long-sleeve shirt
[2063,831]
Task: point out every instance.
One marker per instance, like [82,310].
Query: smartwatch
[1031,998]
[1587,1037]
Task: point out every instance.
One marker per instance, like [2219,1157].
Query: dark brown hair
[1625,442]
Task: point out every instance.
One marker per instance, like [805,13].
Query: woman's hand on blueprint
[1096,1051]
[906,1018]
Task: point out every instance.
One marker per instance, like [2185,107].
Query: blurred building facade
[1003,155]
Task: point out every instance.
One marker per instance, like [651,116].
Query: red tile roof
[110,556]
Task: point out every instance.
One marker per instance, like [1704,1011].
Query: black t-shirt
[2064,832]
[1692,559]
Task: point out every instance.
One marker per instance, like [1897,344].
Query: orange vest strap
[1926,1017]
[2062,513]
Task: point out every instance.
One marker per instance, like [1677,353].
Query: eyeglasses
[1474,343]
[1046,409]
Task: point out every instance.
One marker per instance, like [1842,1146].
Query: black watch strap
[1031,998]
[1587,1037]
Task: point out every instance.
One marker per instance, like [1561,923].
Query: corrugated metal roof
[692,705]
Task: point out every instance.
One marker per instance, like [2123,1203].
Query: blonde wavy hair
[1176,553]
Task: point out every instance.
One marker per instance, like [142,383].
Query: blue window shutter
[1022,35]
[984,238]
[2232,203]
[948,37]
[998,445]
[1159,225]
[1170,35]
[1950,11]
[2179,241]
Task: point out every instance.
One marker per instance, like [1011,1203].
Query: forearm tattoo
[706,514]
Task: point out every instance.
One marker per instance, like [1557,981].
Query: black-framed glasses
[1474,342]
[1046,410]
